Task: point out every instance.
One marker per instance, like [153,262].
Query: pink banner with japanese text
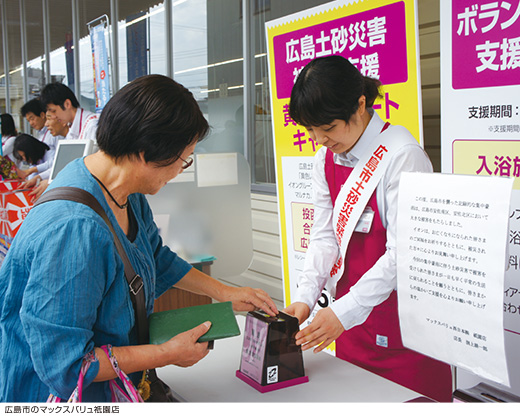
[485,43]
[374,41]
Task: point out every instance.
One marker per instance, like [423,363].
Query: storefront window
[2,72]
[263,149]
[142,41]
[208,60]
[61,43]
[15,62]
[190,45]
[156,42]
[35,49]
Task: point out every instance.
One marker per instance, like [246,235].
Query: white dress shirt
[45,161]
[84,125]
[8,147]
[376,285]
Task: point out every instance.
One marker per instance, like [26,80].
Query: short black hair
[154,115]
[8,126]
[34,106]
[328,89]
[33,148]
[56,93]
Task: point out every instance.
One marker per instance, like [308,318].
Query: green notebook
[166,324]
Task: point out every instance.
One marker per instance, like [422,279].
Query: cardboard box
[9,185]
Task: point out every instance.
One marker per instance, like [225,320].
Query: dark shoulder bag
[158,391]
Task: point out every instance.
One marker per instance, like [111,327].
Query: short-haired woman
[35,153]
[62,284]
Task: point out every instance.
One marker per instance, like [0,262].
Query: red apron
[364,345]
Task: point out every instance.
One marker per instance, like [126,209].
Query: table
[330,380]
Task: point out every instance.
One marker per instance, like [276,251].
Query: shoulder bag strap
[135,282]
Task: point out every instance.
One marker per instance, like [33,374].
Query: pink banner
[374,41]
[485,43]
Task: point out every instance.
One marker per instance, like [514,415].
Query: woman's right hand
[300,310]
[30,183]
[183,350]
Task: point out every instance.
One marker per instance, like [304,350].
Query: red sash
[364,345]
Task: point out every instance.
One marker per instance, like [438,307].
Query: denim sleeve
[72,267]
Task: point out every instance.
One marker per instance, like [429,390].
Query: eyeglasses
[187,162]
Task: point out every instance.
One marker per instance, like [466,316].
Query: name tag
[365,221]
[382,341]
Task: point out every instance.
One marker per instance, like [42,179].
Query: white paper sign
[452,234]
[216,169]
[299,210]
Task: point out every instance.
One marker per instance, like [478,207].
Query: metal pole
[168,24]
[75,42]
[114,53]
[25,75]
[5,45]
[249,103]
[46,40]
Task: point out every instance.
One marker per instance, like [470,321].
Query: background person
[62,283]
[34,112]
[56,128]
[9,134]
[40,182]
[333,101]
[62,104]
[35,153]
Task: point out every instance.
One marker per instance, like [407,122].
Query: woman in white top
[34,152]
[333,101]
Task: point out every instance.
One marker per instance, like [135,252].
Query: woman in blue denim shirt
[62,284]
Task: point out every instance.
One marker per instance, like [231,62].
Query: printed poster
[380,38]
[451,259]
[100,65]
[480,129]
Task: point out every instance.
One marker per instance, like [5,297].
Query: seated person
[34,152]
[9,134]
[34,113]
[58,130]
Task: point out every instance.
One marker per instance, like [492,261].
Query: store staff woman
[333,101]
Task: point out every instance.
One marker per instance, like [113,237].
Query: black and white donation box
[270,357]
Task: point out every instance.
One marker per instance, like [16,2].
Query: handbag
[151,388]
[8,169]
[125,394]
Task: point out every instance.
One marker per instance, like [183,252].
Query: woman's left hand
[324,329]
[249,299]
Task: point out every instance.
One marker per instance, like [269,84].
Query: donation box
[270,357]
